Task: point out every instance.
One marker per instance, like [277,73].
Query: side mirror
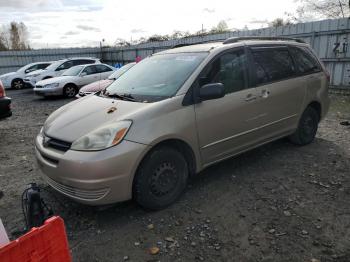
[211,91]
[83,74]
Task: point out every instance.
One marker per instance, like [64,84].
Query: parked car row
[15,80]
[57,68]
[69,83]
[65,77]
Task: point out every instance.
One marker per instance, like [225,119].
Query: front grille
[85,194]
[37,86]
[56,144]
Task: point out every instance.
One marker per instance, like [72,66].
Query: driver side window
[90,70]
[31,69]
[228,69]
[65,65]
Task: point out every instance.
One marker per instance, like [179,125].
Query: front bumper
[93,178]
[29,82]
[5,107]
[57,91]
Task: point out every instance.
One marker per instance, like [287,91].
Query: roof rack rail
[197,43]
[243,38]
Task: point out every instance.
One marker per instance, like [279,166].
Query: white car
[57,68]
[70,82]
[15,79]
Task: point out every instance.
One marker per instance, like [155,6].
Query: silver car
[178,112]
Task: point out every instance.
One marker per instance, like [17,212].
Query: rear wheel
[307,127]
[161,178]
[69,91]
[17,83]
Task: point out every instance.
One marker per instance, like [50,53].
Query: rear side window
[305,62]
[43,66]
[228,69]
[272,64]
[103,68]
[65,65]
[90,70]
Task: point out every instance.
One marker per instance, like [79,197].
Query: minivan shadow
[243,169]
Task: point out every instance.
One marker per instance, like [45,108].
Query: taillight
[328,75]
[2,90]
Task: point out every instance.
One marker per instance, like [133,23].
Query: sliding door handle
[265,93]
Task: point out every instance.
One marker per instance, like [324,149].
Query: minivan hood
[84,115]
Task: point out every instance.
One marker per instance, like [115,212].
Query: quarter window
[43,66]
[272,65]
[90,70]
[228,69]
[103,68]
[304,61]
[65,65]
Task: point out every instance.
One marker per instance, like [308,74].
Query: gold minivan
[178,112]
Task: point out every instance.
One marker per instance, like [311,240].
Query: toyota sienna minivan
[178,112]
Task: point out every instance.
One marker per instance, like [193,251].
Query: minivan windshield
[121,71]
[73,71]
[156,77]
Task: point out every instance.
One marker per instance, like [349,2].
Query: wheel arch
[178,144]
[16,79]
[317,106]
[71,84]
[47,77]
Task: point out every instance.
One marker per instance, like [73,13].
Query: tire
[70,91]
[307,128]
[17,83]
[160,179]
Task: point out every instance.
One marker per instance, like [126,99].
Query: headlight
[102,138]
[53,85]
[35,75]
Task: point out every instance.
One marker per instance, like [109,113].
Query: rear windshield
[157,77]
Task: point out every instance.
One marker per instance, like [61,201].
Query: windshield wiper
[127,97]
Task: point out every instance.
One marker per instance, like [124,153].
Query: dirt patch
[276,203]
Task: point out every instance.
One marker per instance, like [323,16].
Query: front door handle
[265,93]
[250,97]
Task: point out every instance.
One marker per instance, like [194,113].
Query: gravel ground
[279,202]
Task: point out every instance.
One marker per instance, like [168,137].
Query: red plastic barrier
[47,243]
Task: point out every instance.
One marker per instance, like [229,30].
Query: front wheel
[69,91]
[17,83]
[307,127]
[161,178]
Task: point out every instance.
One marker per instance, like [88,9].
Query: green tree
[220,28]
[279,22]
[18,35]
[318,9]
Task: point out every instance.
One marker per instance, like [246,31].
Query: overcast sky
[63,23]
